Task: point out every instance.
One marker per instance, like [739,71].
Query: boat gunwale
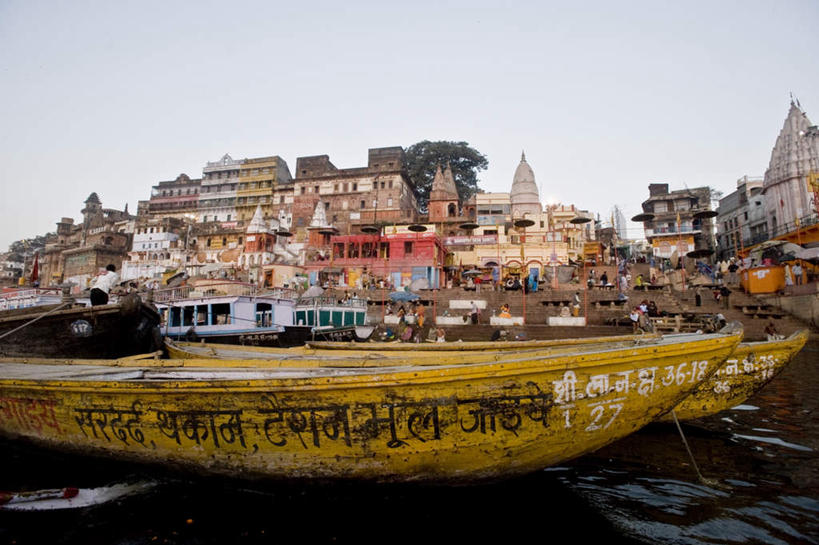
[388,377]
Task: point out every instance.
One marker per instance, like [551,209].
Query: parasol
[645,216]
[703,214]
[523,223]
[469,226]
[472,272]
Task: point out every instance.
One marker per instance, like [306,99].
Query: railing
[672,231]
[220,289]
[332,301]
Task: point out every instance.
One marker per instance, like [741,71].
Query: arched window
[452,210]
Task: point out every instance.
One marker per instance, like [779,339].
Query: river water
[759,462]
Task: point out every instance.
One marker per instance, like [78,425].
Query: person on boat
[504,311]
[103,284]
[635,319]
[772,333]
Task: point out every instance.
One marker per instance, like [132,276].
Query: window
[315,189]
[327,205]
[202,315]
[303,190]
[281,200]
[355,187]
[408,248]
[264,314]
[389,202]
[228,217]
[335,188]
[362,205]
[176,317]
[346,186]
[187,315]
[390,184]
[220,313]
[382,185]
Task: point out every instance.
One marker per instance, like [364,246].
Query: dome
[525,196]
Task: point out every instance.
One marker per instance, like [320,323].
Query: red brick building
[396,253]
[380,193]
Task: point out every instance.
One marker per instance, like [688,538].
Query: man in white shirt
[102,285]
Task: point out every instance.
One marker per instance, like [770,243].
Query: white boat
[236,313]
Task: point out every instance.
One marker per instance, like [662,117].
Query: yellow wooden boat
[744,373]
[193,354]
[450,423]
[459,346]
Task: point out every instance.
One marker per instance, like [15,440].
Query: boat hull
[743,374]
[433,424]
[106,331]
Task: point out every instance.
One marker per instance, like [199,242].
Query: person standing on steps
[724,293]
[473,312]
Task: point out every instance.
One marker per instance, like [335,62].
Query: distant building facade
[219,185]
[794,161]
[741,219]
[177,198]
[674,227]
[380,193]
[77,253]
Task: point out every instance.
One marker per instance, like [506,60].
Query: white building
[795,155]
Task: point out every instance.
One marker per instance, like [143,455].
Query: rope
[703,480]
[55,309]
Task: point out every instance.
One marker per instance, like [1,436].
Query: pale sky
[604,97]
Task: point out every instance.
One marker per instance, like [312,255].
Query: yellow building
[258,179]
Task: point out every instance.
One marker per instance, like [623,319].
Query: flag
[35,268]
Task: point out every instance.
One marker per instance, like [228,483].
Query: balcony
[671,231]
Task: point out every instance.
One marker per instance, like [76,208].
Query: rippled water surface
[759,461]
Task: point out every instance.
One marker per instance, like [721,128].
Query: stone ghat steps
[601,311]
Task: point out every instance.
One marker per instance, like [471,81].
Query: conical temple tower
[443,198]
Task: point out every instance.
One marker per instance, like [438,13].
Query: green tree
[424,157]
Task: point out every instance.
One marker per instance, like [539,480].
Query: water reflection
[760,459]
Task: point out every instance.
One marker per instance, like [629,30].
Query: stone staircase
[606,314]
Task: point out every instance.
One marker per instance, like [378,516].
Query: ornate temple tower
[794,157]
[443,198]
[259,243]
[525,196]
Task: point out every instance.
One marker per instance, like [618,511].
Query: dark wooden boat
[126,328]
